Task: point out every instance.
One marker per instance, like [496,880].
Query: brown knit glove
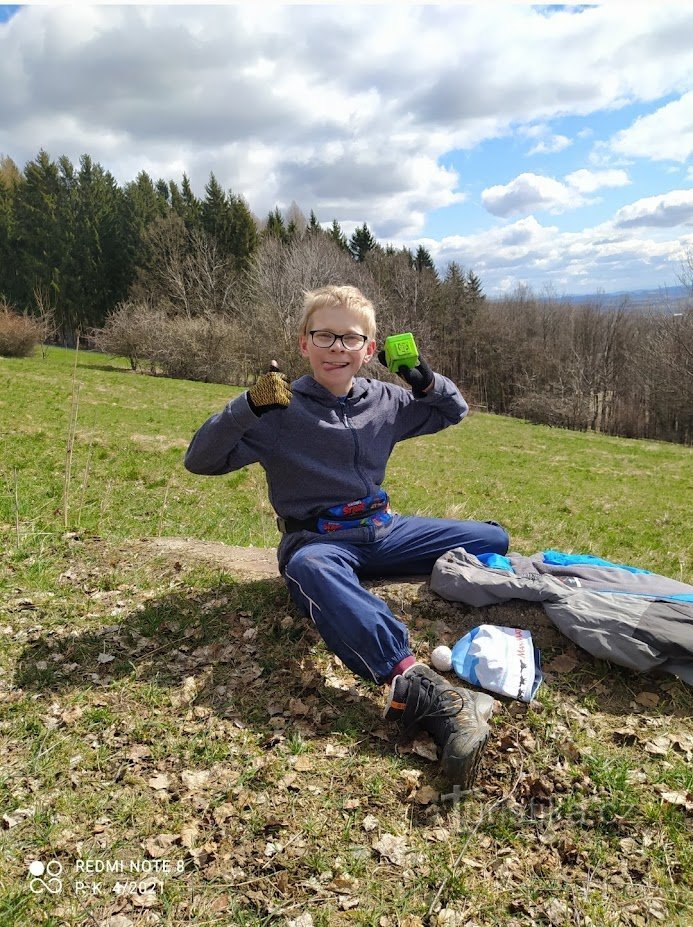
[272,391]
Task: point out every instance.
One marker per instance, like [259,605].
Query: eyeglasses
[350,341]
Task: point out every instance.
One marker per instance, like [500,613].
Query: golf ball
[441,659]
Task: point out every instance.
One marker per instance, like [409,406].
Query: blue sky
[548,147]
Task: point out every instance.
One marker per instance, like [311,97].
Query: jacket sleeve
[229,440]
[443,406]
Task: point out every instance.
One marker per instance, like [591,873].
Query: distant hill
[666,299]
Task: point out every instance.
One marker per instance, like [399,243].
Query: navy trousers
[324,580]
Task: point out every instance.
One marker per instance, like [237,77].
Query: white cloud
[551,145]
[666,134]
[668,210]
[588,181]
[526,252]
[530,192]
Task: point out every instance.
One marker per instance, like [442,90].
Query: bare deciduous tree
[279,276]
[184,273]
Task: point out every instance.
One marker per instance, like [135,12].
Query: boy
[324,442]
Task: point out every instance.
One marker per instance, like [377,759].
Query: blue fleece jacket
[322,450]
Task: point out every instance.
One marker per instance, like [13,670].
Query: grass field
[167,718]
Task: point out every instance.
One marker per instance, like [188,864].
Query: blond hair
[334,297]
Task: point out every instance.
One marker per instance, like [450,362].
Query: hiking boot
[457,719]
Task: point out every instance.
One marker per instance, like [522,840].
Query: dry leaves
[648,699]
[195,780]
[392,848]
[563,663]
[303,920]
[672,797]
[159,782]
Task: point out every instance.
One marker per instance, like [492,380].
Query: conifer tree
[474,287]
[38,237]
[162,188]
[98,256]
[192,208]
[338,236]
[423,260]
[8,262]
[274,226]
[243,234]
[313,227]
[176,198]
[215,213]
[361,242]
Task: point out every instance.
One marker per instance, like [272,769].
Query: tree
[361,242]
[313,227]
[96,275]
[274,226]
[39,242]
[278,275]
[215,212]
[191,206]
[475,291]
[242,236]
[295,221]
[338,236]
[423,260]
[162,188]
[10,179]
[406,298]
[184,273]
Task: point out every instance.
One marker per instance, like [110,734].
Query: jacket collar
[308,386]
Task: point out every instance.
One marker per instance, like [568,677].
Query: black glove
[272,391]
[419,377]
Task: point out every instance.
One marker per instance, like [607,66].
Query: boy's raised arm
[219,445]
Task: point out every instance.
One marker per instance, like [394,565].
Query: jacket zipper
[357,468]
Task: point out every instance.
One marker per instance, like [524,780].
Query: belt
[289,525]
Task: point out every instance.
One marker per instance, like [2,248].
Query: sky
[540,146]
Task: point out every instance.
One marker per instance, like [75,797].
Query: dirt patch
[254,561]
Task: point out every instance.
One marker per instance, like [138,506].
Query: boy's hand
[272,391]
[420,378]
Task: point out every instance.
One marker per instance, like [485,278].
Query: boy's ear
[303,345]
[370,351]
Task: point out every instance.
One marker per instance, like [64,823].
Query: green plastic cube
[401,351]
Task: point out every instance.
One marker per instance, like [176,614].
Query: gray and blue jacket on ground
[617,612]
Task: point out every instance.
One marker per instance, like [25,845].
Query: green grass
[119,665]
[618,498]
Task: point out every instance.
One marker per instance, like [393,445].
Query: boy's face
[335,367]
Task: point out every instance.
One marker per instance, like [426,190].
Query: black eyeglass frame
[322,331]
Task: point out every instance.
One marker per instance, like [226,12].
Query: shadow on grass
[241,649]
